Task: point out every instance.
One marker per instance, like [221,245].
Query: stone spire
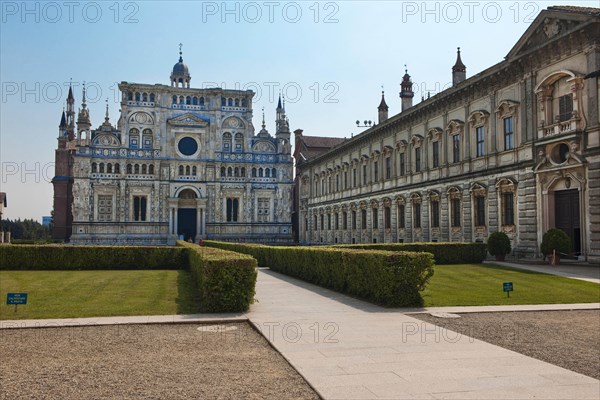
[406,93]
[383,108]
[459,70]
[282,130]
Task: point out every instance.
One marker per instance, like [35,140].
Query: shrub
[498,244]
[225,280]
[60,257]
[443,253]
[393,279]
[555,239]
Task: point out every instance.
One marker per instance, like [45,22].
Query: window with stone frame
[139,208]
[353,219]
[328,221]
[455,148]
[263,209]
[315,223]
[479,121]
[105,208]
[322,222]
[388,167]
[434,203]
[455,131]
[134,138]
[344,220]
[365,177]
[417,159]
[479,210]
[147,140]
[479,141]
[434,136]
[507,112]
[387,217]
[402,162]
[375,221]
[436,154]
[401,216]
[227,140]
[239,143]
[508,208]
[509,135]
[375,171]
[417,215]
[232,205]
[363,218]
[456,212]
[337,221]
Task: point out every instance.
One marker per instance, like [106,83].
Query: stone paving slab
[349,349]
[523,307]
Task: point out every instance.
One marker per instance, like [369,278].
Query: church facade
[515,148]
[181,163]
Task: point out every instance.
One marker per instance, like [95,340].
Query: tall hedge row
[393,279]
[60,257]
[225,280]
[443,253]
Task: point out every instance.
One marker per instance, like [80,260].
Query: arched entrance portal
[187,216]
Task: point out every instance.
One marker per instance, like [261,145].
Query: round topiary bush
[555,239]
[498,244]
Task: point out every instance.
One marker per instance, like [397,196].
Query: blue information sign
[508,286]
[16,298]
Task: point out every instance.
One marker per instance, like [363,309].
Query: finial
[263,121]
[83,100]
[180,52]
[106,117]
[405,69]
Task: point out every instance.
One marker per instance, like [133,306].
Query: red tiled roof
[320,141]
[574,9]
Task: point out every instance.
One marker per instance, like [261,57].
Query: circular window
[560,153]
[187,146]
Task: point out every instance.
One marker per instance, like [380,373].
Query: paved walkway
[584,272]
[349,349]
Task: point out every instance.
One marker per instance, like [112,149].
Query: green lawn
[477,284]
[65,294]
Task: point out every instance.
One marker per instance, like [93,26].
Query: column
[170,220]
[203,217]
[198,223]
[175,222]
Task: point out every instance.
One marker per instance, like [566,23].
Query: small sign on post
[508,287]
[16,299]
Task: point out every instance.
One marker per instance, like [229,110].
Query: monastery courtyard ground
[343,347]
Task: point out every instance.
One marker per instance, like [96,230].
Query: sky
[330,60]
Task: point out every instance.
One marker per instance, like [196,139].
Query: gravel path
[145,361]
[569,339]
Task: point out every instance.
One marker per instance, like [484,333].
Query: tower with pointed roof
[406,92]
[282,130]
[383,108]
[459,70]
[83,120]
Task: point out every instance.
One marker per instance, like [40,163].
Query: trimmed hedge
[443,253]
[393,279]
[60,257]
[225,280]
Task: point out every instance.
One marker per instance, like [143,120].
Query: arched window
[147,139]
[144,96]
[129,96]
[237,102]
[222,171]
[181,170]
[187,170]
[201,101]
[223,102]
[230,102]
[151,169]
[109,168]
[181,100]
[260,172]
[194,170]
[194,101]
[174,99]
[229,171]
[101,168]
[117,169]
[227,142]
[236,172]
[137,96]
[273,173]
[243,172]
[144,169]
[244,103]
[129,169]
[188,100]
[152,97]
[267,172]
[94,167]
[254,172]
[239,142]
[137,169]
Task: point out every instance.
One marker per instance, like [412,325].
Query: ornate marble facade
[514,148]
[181,163]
